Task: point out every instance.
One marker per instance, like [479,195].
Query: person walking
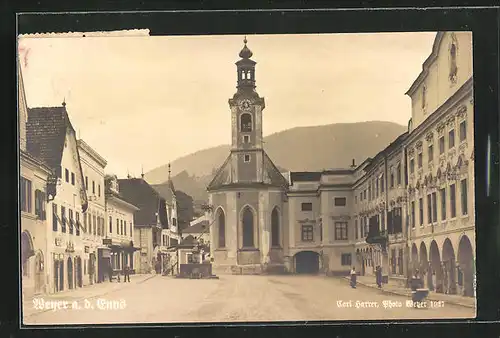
[110,272]
[353,277]
[379,276]
[434,281]
[126,274]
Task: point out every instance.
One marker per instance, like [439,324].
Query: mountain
[297,149]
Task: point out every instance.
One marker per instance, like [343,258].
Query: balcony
[376,236]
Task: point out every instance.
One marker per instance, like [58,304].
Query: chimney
[353,165]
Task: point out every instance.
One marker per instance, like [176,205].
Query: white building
[120,229]
[93,221]
[440,165]
[170,236]
[33,203]
[52,138]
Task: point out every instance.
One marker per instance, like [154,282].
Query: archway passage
[59,275]
[91,271]
[436,271]
[27,249]
[414,258]
[466,267]
[448,268]
[39,273]
[275,228]
[70,273]
[364,262]
[248,240]
[424,265]
[79,274]
[307,262]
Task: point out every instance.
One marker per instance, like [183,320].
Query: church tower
[247,155]
[246,195]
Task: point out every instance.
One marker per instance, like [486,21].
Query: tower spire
[169,170]
[64,102]
[142,171]
[246,68]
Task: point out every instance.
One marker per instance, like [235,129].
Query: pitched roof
[165,190]
[46,132]
[198,228]
[139,193]
[270,175]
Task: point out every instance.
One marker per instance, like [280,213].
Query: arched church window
[221,220]
[249,75]
[275,228]
[246,122]
[248,240]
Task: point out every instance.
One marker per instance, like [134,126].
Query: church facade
[248,192]
[406,208]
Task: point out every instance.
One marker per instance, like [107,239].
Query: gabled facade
[149,221]
[171,235]
[52,138]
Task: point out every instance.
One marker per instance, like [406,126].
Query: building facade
[149,221]
[440,150]
[409,207]
[33,208]
[52,138]
[171,234]
[120,227]
[93,221]
[248,188]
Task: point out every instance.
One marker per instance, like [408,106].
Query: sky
[143,101]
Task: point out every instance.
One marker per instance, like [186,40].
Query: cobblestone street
[236,299]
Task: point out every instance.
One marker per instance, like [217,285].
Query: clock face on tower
[245,104]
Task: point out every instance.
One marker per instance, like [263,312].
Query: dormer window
[246,123]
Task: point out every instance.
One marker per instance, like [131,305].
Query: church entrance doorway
[307,262]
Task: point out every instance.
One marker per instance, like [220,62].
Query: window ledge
[248,250]
[29,215]
[220,249]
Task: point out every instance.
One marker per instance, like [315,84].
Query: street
[239,299]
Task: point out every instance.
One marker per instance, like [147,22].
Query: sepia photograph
[246,178]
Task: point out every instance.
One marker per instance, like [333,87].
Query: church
[247,193]
[254,208]
[409,207]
